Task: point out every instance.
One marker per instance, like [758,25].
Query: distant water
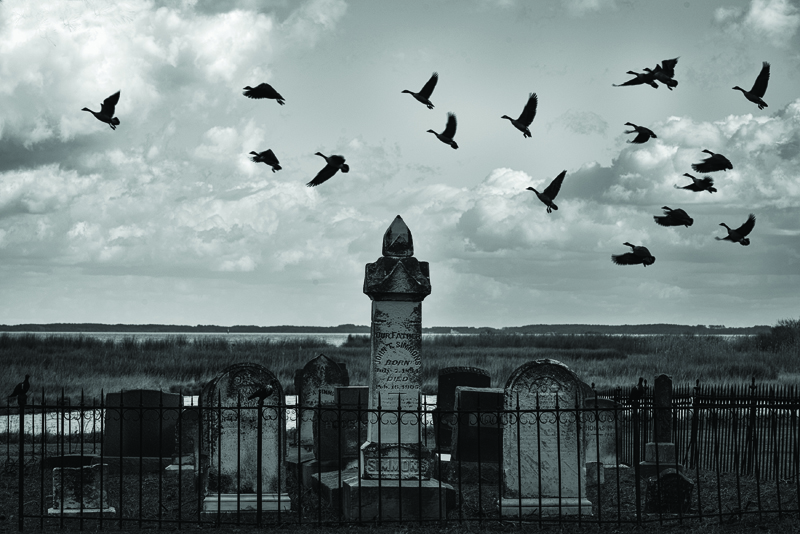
[332,339]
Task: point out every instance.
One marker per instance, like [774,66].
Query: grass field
[80,363]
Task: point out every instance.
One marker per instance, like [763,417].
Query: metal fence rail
[739,446]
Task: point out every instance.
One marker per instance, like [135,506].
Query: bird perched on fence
[715,162]
[672,217]
[526,117]
[637,392]
[21,391]
[643,134]
[549,194]
[261,393]
[697,185]
[263,90]
[334,163]
[268,157]
[647,78]
[449,132]
[740,234]
[756,93]
[425,93]
[638,255]
[665,73]
[106,113]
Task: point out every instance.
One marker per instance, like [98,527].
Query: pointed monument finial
[397,241]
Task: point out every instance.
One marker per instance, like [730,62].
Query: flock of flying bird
[663,73]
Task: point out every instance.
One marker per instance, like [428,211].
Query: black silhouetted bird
[715,162]
[263,90]
[449,132]
[672,217]
[740,234]
[334,163]
[647,78]
[759,87]
[697,185]
[268,157]
[106,113]
[261,393]
[21,391]
[425,93]
[549,194]
[526,117]
[637,392]
[665,73]
[643,134]
[638,255]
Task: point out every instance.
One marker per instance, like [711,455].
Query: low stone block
[77,490]
[546,506]
[595,473]
[245,502]
[396,500]
[668,492]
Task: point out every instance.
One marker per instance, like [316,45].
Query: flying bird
[648,78]
[424,94]
[106,113]
[449,132]
[740,234]
[759,87]
[21,391]
[672,217]
[526,117]
[697,185]
[643,134]
[268,157]
[715,162]
[549,194]
[665,73]
[263,90]
[334,163]
[635,257]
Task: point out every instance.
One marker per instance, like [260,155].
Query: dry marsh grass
[82,363]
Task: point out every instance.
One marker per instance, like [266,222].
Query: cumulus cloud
[582,7]
[775,21]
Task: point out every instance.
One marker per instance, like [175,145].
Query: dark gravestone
[478,430]
[316,383]
[342,427]
[443,417]
[140,423]
[669,492]
[660,454]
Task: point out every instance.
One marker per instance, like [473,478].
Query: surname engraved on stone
[390,465]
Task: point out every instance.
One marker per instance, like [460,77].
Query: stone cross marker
[230,442]
[544,456]
[317,381]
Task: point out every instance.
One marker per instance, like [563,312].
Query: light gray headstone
[317,382]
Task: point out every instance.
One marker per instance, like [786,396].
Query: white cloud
[582,7]
[775,21]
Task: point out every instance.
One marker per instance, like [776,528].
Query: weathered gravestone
[315,384]
[77,490]
[444,418]
[140,423]
[395,481]
[543,442]
[669,492]
[603,437]
[659,454]
[229,457]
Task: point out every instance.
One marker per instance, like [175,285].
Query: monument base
[657,457]
[311,470]
[246,502]
[595,472]
[547,506]
[396,500]
[329,484]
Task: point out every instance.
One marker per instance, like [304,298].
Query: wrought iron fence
[85,466]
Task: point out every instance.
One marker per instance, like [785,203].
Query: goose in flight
[334,163]
[526,117]
[697,185]
[759,87]
[643,134]
[21,391]
[106,113]
[268,157]
[424,94]
[740,234]
[263,90]
[449,132]
[665,73]
[648,78]
[635,257]
[672,217]
[549,194]
[715,162]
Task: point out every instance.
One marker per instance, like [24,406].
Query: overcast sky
[166,220]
